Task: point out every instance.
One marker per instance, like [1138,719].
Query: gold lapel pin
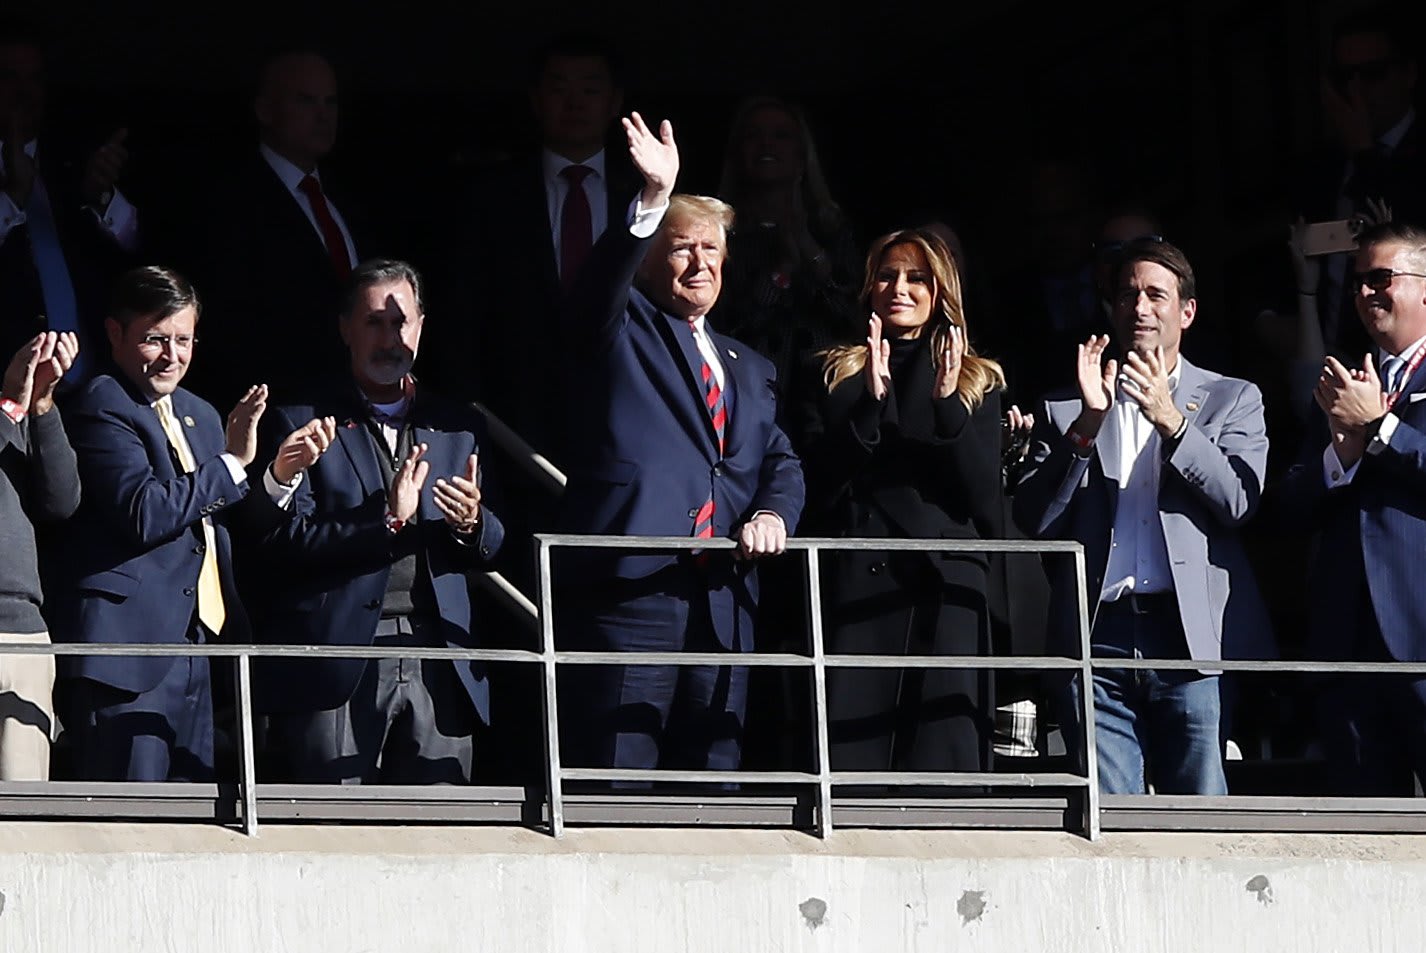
[189,421]
[1192,406]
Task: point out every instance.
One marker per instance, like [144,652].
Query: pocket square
[1413,398]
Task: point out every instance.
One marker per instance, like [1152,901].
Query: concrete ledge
[118,888]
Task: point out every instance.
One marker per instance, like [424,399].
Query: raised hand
[656,158]
[458,498]
[302,448]
[242,424]
[948,363]
[1015,434]
[19,381]
[1306,269]
[101,173]
[405,494]
[56,357]
[1096,377]
[878,359]
[1146,380]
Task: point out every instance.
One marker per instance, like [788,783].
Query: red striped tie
[718,413]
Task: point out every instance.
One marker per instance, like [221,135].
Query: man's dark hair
[379,271]
[151,292]
[1411,237]
[577,45]
[1164,254]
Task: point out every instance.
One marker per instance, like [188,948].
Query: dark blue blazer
[644,455]
[327,559]
[130,557]
[1372,537]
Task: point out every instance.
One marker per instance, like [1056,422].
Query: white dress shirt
[1333,473]
[119,218]
[1129,449]
[292,177]
[557,190]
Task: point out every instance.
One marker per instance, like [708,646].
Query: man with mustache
[375,551]
[1364,491]
[1152,466]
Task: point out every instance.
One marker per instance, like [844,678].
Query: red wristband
[12,410]
[1079,440]
[394,523]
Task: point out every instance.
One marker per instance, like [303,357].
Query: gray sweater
[39,482]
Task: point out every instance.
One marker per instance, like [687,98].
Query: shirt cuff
[121,220]
[281,494]
[235,469]
[643,222]
[1382,439]
[778,516]
[1333,473]
[11,215]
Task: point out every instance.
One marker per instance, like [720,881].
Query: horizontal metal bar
[715,777]
[1245,665]
[938,545]
[267,651]
[785,660]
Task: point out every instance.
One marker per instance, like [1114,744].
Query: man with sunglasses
[1367,97]
[1366,492]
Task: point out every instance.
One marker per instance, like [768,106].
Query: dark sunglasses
[1379,279]
[1109,249]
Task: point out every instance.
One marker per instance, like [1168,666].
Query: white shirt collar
[1382,354]
[290,175]
[1393,136]
[554,164]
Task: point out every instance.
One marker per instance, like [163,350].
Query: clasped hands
[458,498]
[37,368]
[1144,377]
[1352,399]
[878,362]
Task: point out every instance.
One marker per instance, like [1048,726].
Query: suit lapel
[736,383]
[355,440]
[686,354]
[295,219]
[542,237]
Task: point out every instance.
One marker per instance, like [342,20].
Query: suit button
[693,512]
[200,549]
[220,501]
[875,569]
[188,591]
[373,604]
[718,471]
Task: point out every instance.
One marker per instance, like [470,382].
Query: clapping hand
[1146,381]
[302,448]
[101,173]
[404,497]
[1351,398]
[948,363]
[656,158]
[878,359]
[56,356]
[458,498]
[242,424]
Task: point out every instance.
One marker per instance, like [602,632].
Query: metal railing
[812,805]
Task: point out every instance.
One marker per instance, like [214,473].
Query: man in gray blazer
[1152,466]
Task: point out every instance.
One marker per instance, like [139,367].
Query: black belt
[1144,603]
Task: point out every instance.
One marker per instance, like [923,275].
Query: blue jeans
[1159,726]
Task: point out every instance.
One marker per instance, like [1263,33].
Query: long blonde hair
[979,375]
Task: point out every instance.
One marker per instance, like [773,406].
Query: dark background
[1205,111]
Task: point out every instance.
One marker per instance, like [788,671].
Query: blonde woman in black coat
[901,437]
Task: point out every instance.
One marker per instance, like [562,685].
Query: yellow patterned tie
[210,589]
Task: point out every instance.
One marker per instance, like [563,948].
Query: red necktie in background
[331,234]
[576,224]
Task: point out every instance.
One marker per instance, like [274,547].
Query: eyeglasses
[1110,249]
[160,342]
[1379,279]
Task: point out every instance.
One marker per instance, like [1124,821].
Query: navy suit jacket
[327,559]
[1372,535]
[644,454]
[130,558]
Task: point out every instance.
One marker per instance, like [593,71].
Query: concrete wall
[157,889]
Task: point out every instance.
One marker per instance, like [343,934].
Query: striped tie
[718,413]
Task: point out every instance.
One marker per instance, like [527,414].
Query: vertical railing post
[1086,682]
[819,693]
[247,766]
[554,785]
